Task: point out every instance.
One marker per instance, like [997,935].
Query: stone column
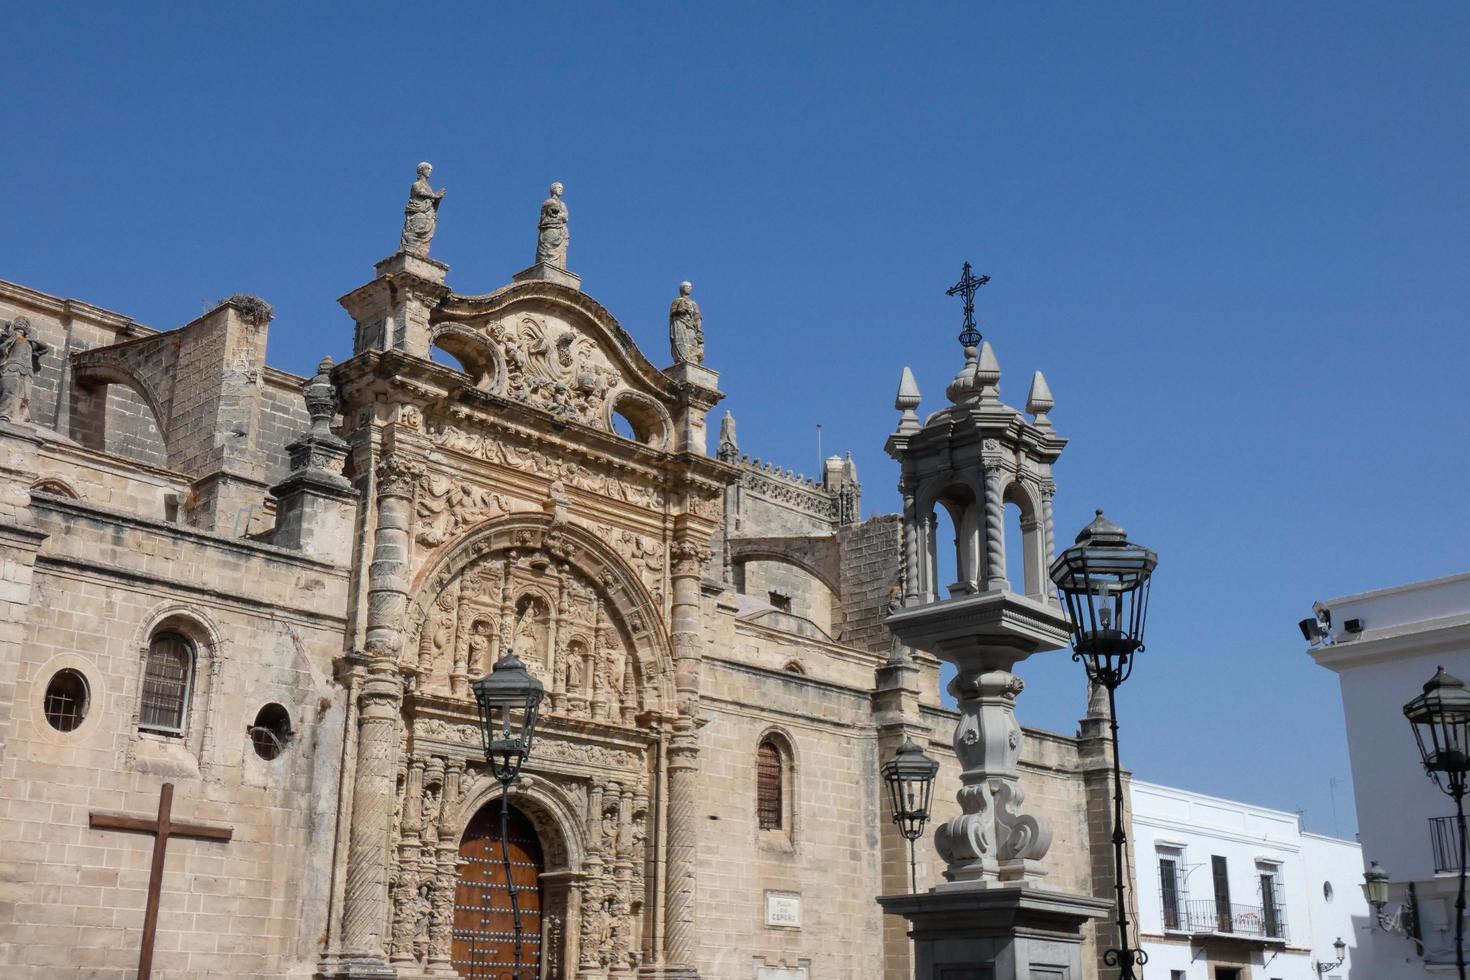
[995,532]
[682,934]
[20,540]
[382,693]
[446,877]
[405,890]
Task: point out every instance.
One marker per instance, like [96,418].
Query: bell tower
[974,458]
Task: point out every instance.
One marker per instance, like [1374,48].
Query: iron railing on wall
[1209,918]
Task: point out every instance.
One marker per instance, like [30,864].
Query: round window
[1327,890]
[271,731]
[67,700]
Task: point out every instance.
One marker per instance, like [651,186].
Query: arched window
[770,802]
[168,680]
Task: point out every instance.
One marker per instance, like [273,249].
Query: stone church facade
[273,592]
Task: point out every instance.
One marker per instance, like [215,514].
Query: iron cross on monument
[162,829]
[966,287]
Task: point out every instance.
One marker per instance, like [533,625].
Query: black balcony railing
[1445,841]
[1246,921]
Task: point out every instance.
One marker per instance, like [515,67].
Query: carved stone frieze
[444,506]
[519,454]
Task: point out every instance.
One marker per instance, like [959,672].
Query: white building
[1230,891]
[1383,646]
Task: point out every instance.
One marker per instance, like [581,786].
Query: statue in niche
[423,906]
[610,811]
[479,646]
[420,214]
[523,638]
[20,359]
[432,799]
[551,244]
[572,680]
[686,327]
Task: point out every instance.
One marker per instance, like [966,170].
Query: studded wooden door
[484,925]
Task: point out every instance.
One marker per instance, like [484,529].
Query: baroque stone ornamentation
[551,366]
[20,359]
[420,214]
[321,399]
[445,506]
[397,475]
[515,453]
[686,327]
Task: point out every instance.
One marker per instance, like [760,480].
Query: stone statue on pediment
[551,243]
[420,214]
[686,327]
[20,359]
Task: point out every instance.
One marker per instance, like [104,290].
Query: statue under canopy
[20,359]
[686,330]
[551,243]
[420,214]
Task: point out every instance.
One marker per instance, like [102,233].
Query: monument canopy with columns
[994,915]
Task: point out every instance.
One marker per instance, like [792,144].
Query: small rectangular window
[781,601]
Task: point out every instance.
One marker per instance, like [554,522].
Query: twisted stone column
[688,558]
[995,533]
[377,735]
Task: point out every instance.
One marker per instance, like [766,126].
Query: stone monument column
[374,794]
[993,917]
[681,933]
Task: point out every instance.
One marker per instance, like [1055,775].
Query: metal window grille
[768,802]
[167,679]
[65,704]
[1271,917]
[1169,892]
[1446,844]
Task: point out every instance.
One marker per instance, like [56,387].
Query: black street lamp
[1103,580]
[1440,718]
[1340,948]
[910,778]
[509,699]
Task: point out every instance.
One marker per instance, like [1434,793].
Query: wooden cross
[162,829]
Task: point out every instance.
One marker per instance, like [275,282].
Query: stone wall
[266,626]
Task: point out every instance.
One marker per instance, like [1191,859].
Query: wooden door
[484,925]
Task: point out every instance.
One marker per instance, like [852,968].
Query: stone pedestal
[699,392]
[392,311]
[551,273]
[971,932]
[985,635]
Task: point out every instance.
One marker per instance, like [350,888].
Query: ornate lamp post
[509,699]
[1104,581]
[910,779]
[1440,717]
[1340,948]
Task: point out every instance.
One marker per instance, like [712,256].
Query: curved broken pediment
[557,350]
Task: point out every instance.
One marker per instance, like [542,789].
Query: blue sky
[1233,236]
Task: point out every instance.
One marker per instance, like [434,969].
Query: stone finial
[420,214]
[729,449]
[554,236]
[907,400]
[987,374]
[321,399]
[686,327]
[1039,400]
[20,359]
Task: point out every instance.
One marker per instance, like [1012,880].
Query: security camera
[1312,630]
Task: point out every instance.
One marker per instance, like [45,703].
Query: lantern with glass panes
[1103,580]
[909,776]
[509,699]
[1440,717]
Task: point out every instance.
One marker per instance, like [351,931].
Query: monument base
[551,273]
[1006,933]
